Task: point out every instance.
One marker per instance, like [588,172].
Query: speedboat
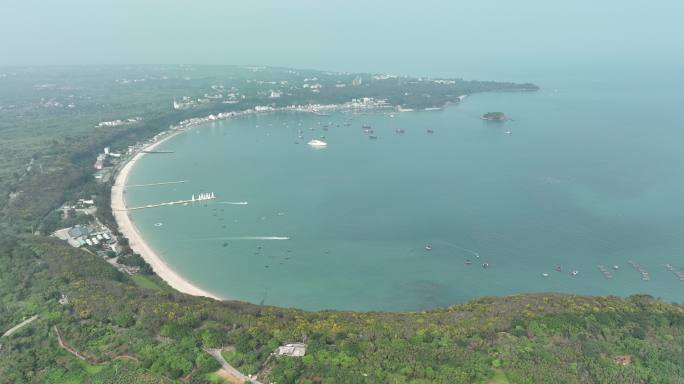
[428,247]
[317,143]
[575,272]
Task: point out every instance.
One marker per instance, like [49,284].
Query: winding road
[228,369]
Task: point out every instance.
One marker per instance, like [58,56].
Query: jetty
[676,271]
[157,151]
[199,198]
[644,274]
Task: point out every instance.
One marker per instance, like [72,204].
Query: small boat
[158,224]
[399,130]
[545,274]
[317,143]
[558,268]
[428,247]
[508,132]
[616,267]
[430,131]
[574,273]
[485,265]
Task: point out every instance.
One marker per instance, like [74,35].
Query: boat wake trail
[233,202]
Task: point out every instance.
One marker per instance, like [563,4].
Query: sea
[580,191]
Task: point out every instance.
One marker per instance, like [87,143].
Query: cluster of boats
[677,271]
[428,247]
[558,268]
[606,271]
[367,129]
[644,274]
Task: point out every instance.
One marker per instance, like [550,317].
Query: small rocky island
[494,116]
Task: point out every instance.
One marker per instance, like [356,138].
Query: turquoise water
[592,173]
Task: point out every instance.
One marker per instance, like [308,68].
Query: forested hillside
[97,325]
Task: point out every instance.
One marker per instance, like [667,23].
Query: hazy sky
[417,37]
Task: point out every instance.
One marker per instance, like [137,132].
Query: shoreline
[118,204]
[135,239]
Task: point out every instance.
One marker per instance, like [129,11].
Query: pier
[201,197]
[153,184]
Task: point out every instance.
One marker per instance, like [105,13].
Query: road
[19,326]
[227,368]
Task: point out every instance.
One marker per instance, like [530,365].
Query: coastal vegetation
[98,325]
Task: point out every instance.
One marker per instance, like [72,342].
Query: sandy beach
[137,242]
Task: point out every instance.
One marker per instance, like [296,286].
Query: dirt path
[66,346]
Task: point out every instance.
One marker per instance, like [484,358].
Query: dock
[644,274]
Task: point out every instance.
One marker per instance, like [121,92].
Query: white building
[294,349]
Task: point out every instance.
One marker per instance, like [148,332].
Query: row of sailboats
[203,196]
